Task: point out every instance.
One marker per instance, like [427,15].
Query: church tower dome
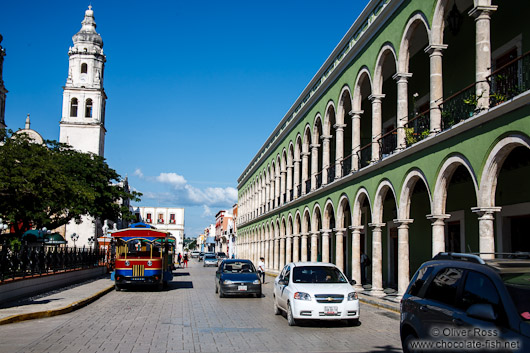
[87,34]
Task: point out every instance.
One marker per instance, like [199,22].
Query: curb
[380,305]
[60,311]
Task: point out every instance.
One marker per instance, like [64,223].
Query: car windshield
[239,267]
[318,274]
[209,257]
[518,285]
[221,254]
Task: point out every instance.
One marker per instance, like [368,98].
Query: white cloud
[173,179]
[138,173]
[207,211]
[181,193]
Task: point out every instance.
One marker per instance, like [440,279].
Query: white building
[164,218]
[83,115]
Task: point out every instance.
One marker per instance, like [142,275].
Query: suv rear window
[419,280]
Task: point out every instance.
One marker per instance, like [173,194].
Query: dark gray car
[237,277]
[461,302]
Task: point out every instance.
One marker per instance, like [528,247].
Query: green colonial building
[413,138]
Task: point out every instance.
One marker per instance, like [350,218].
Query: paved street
[190,317]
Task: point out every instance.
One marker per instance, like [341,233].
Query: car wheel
[216,290]
[406,342]
[277,310]
[258,295]
[221,294]
[117,287]
[290,318]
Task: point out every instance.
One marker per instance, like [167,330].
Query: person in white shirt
[261,269]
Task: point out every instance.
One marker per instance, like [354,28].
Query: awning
[36,236]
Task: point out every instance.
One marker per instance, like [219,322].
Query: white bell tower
[83,118]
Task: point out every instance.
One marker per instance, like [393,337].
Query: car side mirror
[352,281]
[482,311]
[282,282]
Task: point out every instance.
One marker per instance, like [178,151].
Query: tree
[50,184]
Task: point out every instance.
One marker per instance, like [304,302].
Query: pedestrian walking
[261,269]
[179,259]
[365,262]
[186,260]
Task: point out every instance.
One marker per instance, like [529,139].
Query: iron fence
[509,80]
[417,128]
[31,261]
[365,155]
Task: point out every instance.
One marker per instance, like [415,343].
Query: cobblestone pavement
[190,317]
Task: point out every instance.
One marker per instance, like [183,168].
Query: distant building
[224,232]
[169,219]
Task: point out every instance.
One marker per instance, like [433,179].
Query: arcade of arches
[391,162]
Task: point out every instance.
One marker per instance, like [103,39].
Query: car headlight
[227,281]
[352,296]
[127,263]
[257,281]
[302,296]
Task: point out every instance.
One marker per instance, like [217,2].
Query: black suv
[460,302]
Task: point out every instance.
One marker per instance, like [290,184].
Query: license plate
[331,309]
[241,287]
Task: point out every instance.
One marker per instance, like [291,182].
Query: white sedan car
[315,290]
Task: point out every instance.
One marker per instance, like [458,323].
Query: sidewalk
[57,302]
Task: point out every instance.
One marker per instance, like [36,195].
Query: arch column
[277,189]
[325,157]
[339,251]
[305,170]
[267,196]
[289,183]
[356,256]
[377,259]
[436,85]
[296,247]
[276,251]
[325,244]
[282,252]
[356,138]
[314,165]
[296,173]
[266,246]
[486,230]
[314,246]
[288,248]
[403,254]
[339,148]
[482,16]
[377,124]
[402,107]
[271,252]
[438,232]
[304,247]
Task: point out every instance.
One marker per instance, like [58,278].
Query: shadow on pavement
[26,302]
[180,285]
[389,349]
[179,274]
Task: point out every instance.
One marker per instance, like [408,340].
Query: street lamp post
[74,237]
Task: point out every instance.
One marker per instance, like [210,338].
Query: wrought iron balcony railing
[331,174]
[365,155]
[417,128]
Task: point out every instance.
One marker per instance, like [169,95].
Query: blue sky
[194,87]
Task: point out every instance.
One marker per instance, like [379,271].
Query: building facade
[169,219]
[82,123]
[410,140]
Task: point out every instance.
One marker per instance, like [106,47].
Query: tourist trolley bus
[143,257]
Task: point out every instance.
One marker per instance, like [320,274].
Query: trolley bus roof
[146,234]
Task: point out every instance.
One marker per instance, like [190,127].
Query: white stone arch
[363,74]
[380,195]
[409,183]
[306,141]
[438,21]
[328,126]
[316,131]
[317,216]
[283,227]
[341,113]
[290,224]
[306,219]
[444,177]
[414,21]
[297,223]
[329,210]
[298,146]
[493,166]
[362,193]
[386,49]
[339,220]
